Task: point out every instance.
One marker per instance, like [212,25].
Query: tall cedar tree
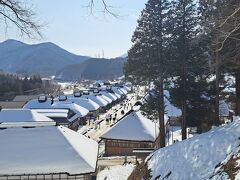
[147,57]
[189,79]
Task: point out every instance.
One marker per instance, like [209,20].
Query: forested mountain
[44,58]
[93,69]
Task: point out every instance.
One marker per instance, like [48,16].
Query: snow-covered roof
[21,115]
[109,95]
[134,127]
[106,98]
[127,88]
[86,103]
[118,96]
[123,90]
[117,90]
[53,112]
[79,110]
[35,104]
[44,150]
[68,104]
[97,99]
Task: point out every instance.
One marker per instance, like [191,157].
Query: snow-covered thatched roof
[79,110]
[127,88]
[58,113]
[106,98]
[86,103]
[135,127]
[109,95]
[45,150]
[97,99]
[117,91]
[35,104]
[23,117]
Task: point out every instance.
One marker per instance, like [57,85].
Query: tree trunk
[161,114]
[237,85]
[184,53]
[183,124]
[217,122]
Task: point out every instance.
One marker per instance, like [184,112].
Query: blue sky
[69,25]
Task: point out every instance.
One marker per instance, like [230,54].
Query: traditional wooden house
[86,103]
[134,134]
[64,117]
[115,94]
[118,92]
[23,117]
[99,100]
[96,92]
[46,152]
[76,113]
[110,96]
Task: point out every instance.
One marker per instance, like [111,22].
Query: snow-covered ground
[119,172]
[198,157]
[175,135]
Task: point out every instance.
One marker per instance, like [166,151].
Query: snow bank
[197,157]
[116,172]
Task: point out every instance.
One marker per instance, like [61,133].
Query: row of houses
[39,140]
[73,110]
[33,146]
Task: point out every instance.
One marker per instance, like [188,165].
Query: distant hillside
[93,69]
[44,58]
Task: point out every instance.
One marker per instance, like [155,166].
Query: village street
[95,129]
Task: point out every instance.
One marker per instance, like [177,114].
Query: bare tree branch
[17,13]
[228,28]
[106,8]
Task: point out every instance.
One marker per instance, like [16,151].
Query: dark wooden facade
[47,177]
[114,147]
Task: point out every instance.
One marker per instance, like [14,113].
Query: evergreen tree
[185,29]
[191,91]
[147,59]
